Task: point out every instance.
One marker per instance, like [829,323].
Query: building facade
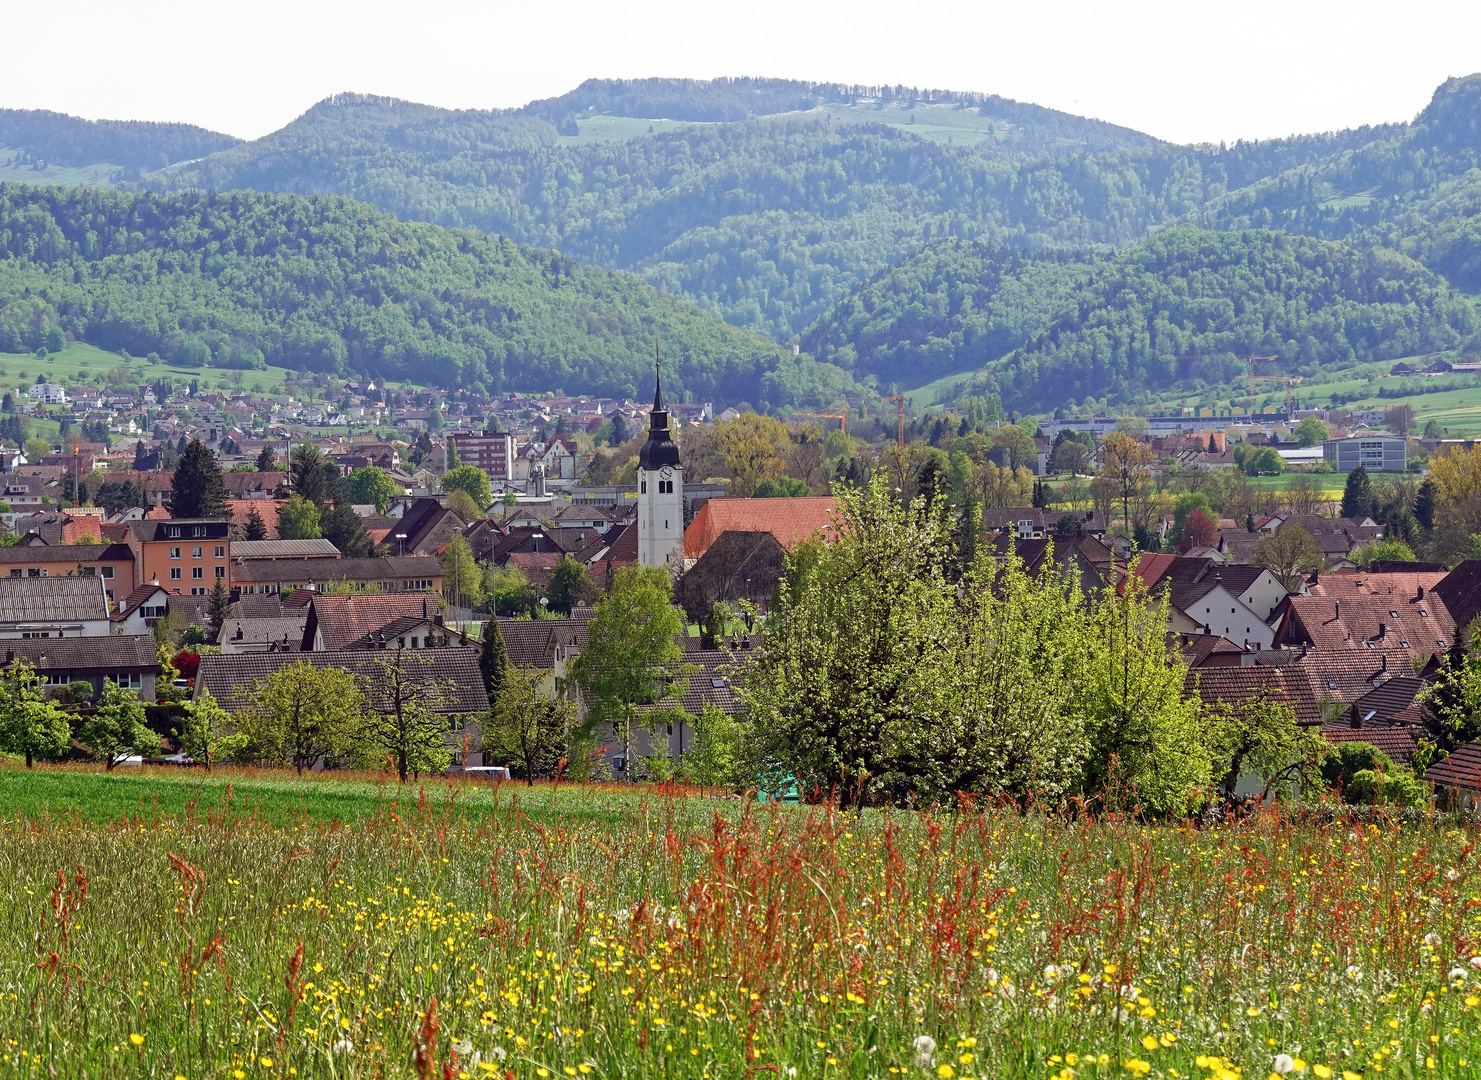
[1377,453]
[187,556]
[491,451]
[660,490]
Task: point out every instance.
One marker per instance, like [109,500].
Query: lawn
[610,933]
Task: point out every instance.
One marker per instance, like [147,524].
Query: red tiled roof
[791,521]
[1398,741]
[267,509]
[1462,769]
[1233,686]
[342,620]
[1346,611]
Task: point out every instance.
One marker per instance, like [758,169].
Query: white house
[48,394]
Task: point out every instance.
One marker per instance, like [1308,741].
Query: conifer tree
[1357,496]
[197,490]
[493,660]
[256,528]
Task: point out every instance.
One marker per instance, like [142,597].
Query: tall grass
[637,935]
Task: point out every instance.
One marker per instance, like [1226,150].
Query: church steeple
[658,387]
[660,449]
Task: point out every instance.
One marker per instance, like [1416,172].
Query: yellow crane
[899,400]
[842,417]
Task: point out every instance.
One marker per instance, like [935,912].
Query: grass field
[616,933]
[99,175]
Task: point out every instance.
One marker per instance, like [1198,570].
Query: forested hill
[1149,318]
[135,144]
[327,283]
[1030,129]
[1045,329]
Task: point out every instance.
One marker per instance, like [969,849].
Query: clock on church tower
[660,488]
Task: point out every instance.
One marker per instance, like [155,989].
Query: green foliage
[135,144]
[493,660]
[1383,551]
[717,758]
[529,727]
[326,284]
[570,584]
[30,725]
[117,728]
[1310,431]
[472,481]
[1357,495]
[1264,461]
[205,728]
[298,519]
[1347,759]
[462,578]
[462,504]
[406,726]
[299,716]
[1391,787]
[783,487]
[1290,553]
[197,490]
[877,675]
[513,593]
[1262,735]
[371,485]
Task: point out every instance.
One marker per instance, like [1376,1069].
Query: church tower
[660,488]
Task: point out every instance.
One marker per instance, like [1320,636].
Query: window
[197,592]
[16,572]
[106,572]
[172,531]
[36,634]
[33,571]
[220,572]
[87,571]
[196,552]
[220,551]
[174,573]
[642,487]
[197,530]
[174,553]
[197,572]
[128,680]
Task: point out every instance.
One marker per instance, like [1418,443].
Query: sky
[1186,71]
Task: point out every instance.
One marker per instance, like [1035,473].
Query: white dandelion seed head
[1283,1064]
[992,976]
[791,1070]
[1122,1016]
[1432,940]
[1476,962]
[344,1046]
[463,1047]
[1051,972]
[498,1053]
[1458,975]
[1354,972]
[1452,874]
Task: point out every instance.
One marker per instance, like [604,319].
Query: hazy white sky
[1186,70]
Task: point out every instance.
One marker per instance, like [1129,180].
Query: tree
[1310,431]
[117,728]
[1399,419]
[267,460]
[298,519]
[619,433]
[717,758]
[407,726]
[1199,530]
[1290,553]
[204,730]
[462,579]
[528,727]
[1424,503]
[299,716]
[493,660]
[754,448]
[1070,456]
[255,528]
[345,529]
[1126,466]
[470,479]
[1386,550]
[36,448]
[1264,461]
[1357,497]
[30,725]
[216,611]
[197,490]
[312,475]
[570,584]
[513,592]
[1262,734]
[462,504]
[632,657]
[372,485]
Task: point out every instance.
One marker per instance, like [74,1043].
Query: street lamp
[402,537]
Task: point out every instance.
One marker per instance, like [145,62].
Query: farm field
[625,933]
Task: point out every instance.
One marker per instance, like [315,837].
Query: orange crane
[842,417]
[1289,380]
[899,400]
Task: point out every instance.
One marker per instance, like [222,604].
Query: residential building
[112,563]
[1375,453]
[129,661]
[53,607]
[185,555]
[48,394]
[1395,617]
[791,521]
[335,623]
[141,609]
[492,451]
[391,574]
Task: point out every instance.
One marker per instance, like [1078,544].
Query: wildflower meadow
[446,930]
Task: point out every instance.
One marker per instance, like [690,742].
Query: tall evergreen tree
[216,610]
[493,660]
[1424,504]
[1357,496]
[256,528]
[345,529]
[197,490]
[267,461]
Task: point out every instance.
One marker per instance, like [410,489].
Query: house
[790,521]
[1387,614]
[336,623]
[1200,602]
[1083,558]
[139,611]
[1254,586]
[390,574]
[283,633]
[1031,523]
[48,393]
[265,550]
[113,564]
[186,555]
[1459,775]
[53,607]
[130,661]
[424,527]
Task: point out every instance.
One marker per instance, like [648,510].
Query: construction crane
[1289,380]
[899,400]
[842,417]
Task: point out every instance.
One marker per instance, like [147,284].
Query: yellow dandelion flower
[267,1063]
[1149,1042]
[1322,1071]
[136,1039]
[945,1071]
[1137,1066]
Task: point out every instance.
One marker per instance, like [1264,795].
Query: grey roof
[258,630]
[117,652]
[413,567]
[52,599]
[83,553]
[230,677]
[275,549]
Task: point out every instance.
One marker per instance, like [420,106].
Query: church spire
[657,381]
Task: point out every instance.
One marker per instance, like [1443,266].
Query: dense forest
[135,144]
[1154,316]
[326,283]
[768,222]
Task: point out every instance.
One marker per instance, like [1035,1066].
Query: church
[660,488]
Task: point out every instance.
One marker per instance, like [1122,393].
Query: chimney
[1421,593]
[1385,663]
[437,619]
[1337,610]
[424,607]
